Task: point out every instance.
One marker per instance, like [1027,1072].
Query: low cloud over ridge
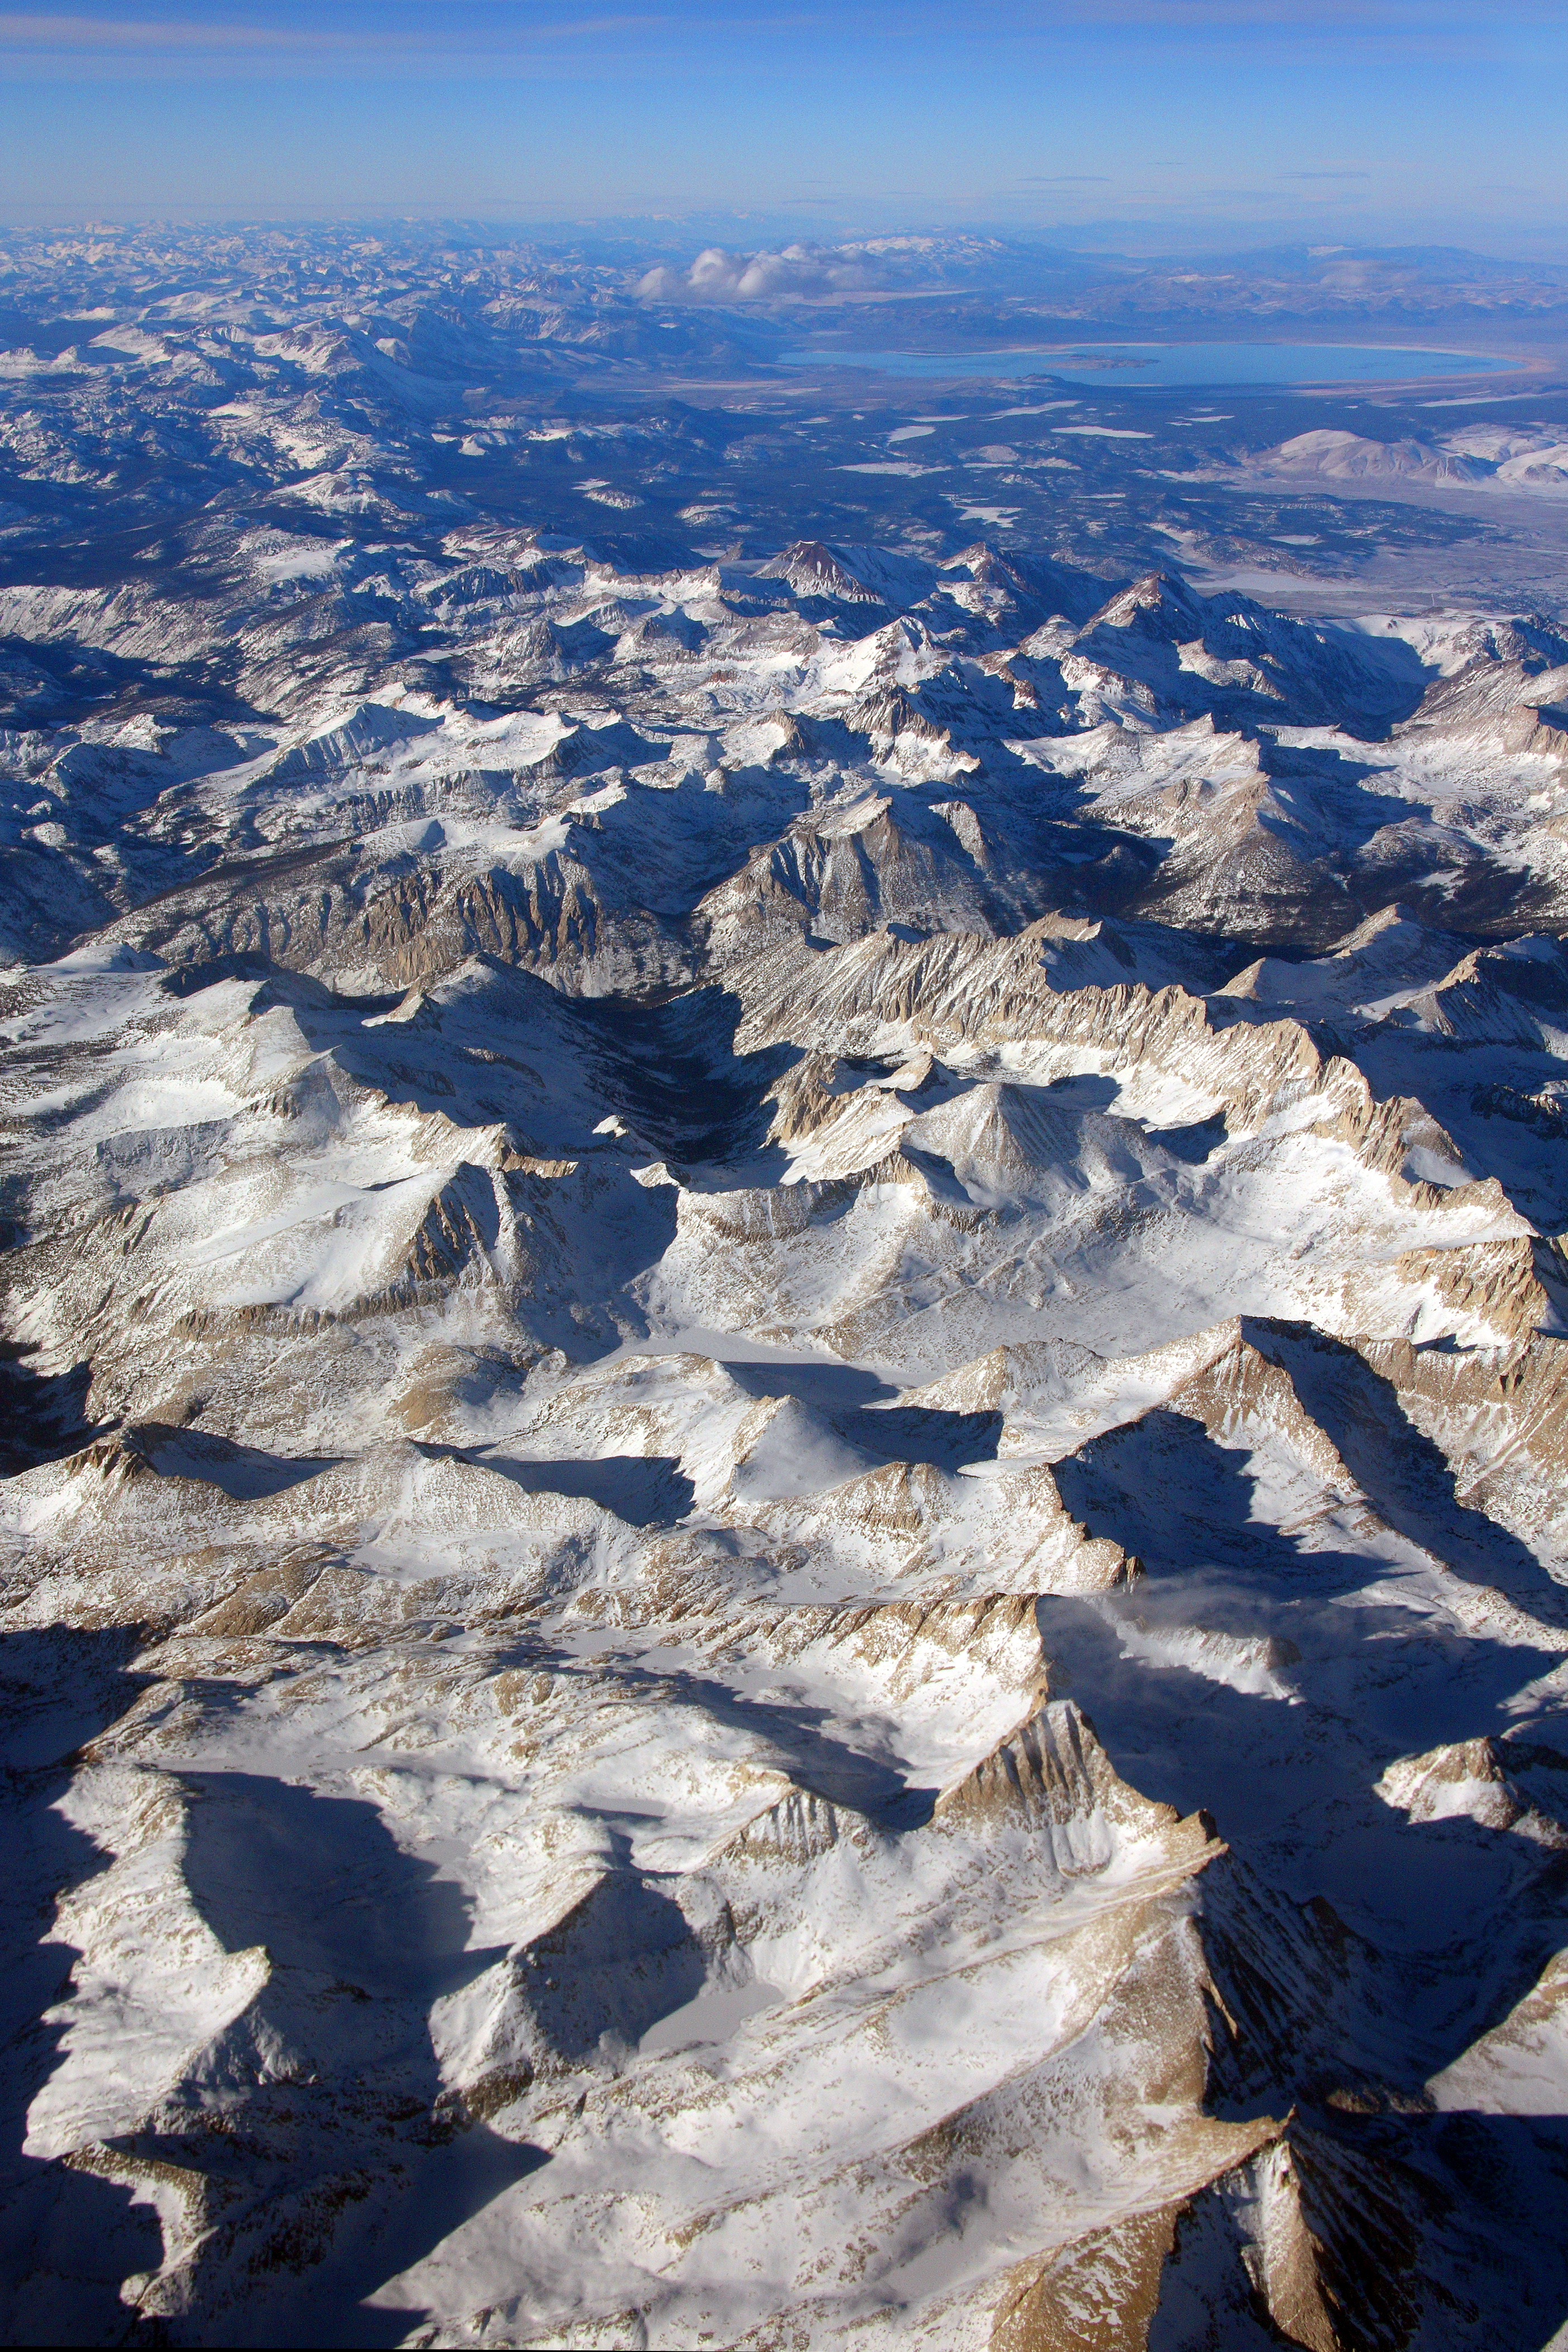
[717,276]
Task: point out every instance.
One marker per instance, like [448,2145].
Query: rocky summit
[784,1534]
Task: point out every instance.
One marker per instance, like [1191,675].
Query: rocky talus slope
[785,1546]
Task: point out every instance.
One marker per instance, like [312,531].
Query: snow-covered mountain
[1485,456]
[786,1366]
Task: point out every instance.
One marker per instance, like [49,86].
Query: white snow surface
[785,1538]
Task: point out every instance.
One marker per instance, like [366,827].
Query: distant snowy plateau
[785,1534]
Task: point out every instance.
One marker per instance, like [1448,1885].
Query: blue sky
[1152,120]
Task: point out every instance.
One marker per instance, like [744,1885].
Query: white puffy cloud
[717,276]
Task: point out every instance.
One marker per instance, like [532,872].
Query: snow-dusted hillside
[785,1543]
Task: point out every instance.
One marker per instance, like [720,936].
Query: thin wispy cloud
[502,28]
[417,39]
[68,32]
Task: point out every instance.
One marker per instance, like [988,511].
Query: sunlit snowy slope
[786,1534]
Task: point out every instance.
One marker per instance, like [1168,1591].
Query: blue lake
[1139,367]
